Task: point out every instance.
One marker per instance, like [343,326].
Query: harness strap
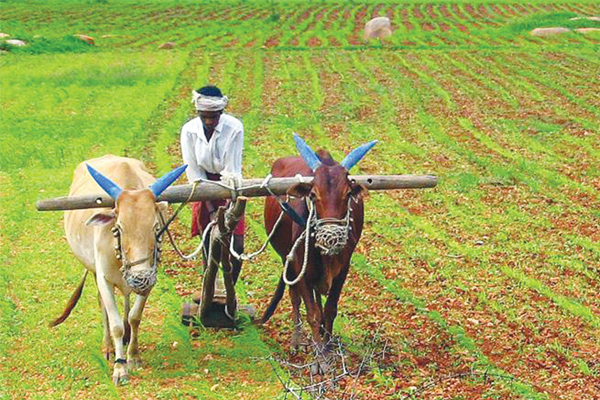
[138,262]
[294,216]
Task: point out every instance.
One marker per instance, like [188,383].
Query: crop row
[351,103]
[251,25]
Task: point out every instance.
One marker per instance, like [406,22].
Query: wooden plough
[218,300]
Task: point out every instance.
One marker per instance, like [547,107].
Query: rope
[290,256]
[166,228]
[248,257]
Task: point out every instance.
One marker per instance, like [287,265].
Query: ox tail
[274,301]
[72,302]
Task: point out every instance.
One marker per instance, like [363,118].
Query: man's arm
[193,171]
[233,155]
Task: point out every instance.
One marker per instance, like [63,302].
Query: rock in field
[587,30]
[4,35]
[542,32]
[588,18]
[167,46]
[16,42]
[379,27]
[85,38]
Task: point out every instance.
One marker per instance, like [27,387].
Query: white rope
[290,256]
[247,257]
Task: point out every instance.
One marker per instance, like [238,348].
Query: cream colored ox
[119,246]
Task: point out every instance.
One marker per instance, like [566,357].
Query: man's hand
[230,179]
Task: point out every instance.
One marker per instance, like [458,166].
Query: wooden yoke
[250,188]
[220,238]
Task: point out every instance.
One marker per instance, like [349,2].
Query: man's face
[210,119]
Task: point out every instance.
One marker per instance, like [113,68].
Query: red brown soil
[497,11]
[429,9]
[333,15]
[511,11]
[458,12]
[522,10]
[360,19]
[333,41]
[417,12]
[427,27]
[445,27]
[420,349]
[231,43]
[378,11]
[405,20]
[445,13]
[314,42]
[446,40]
[273,41]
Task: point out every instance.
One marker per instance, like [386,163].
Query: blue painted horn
[309,156]
[166,180]
[111,188]
[357,154]
[157,187]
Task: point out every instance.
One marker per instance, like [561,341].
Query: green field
[484,287]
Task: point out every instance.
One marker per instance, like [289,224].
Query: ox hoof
[322,365]
[120,380]
[120,375]
[298,343]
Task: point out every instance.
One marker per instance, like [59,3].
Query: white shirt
[221,155]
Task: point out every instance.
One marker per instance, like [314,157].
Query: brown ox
[120,247]
[335,227]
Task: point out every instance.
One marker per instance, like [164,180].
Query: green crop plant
[479,271]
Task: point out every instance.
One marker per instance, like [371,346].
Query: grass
[494,270]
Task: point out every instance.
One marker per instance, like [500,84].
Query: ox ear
[101,218]
[162,206]
[300,190]
[357,190]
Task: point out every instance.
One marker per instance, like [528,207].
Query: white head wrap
[208,103]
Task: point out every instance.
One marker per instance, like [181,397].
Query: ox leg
[297,332]
[332,303]
[319,302]
[315,317]
[107,346]
[117,329]
[135,316]
[126,308]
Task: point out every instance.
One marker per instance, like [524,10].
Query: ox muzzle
[331,234]
[141,281]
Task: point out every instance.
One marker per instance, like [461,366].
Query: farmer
[211,146]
